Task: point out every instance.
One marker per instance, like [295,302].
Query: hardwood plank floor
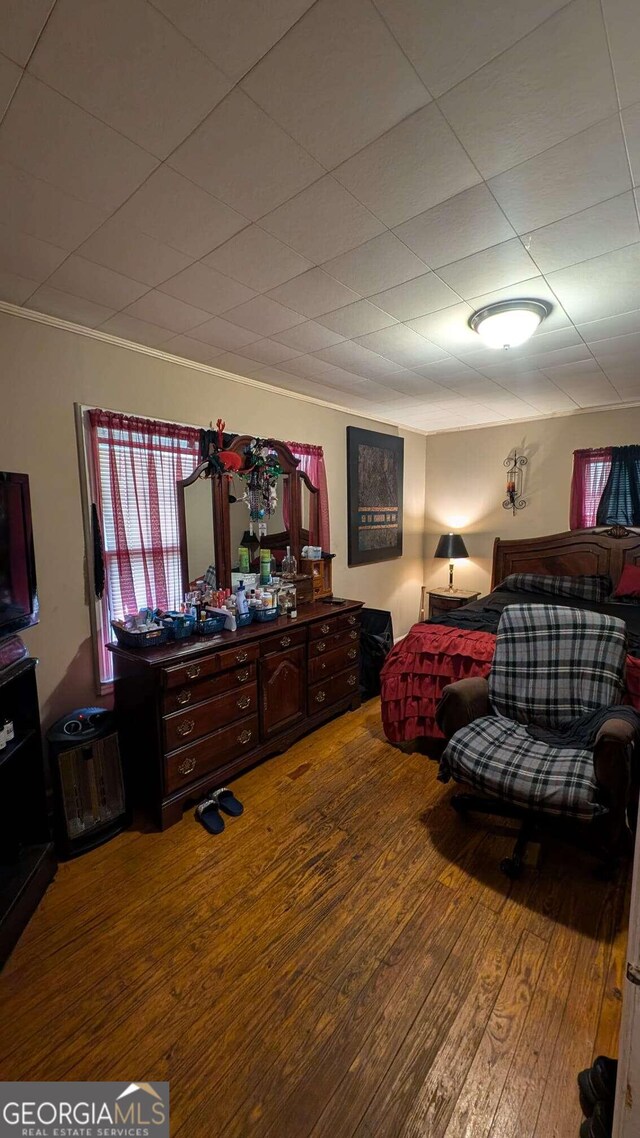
[345,960]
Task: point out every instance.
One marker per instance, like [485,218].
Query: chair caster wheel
[511,867]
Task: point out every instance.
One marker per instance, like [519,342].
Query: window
[136,464]
[591,469]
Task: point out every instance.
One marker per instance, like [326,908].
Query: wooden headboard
[570,554]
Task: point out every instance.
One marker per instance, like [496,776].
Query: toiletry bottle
[265,566]
[8,730]
[3,738]
[289,566]
[242,606]
[243,558]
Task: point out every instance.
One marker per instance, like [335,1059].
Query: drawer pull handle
[242,657]
[185,728]
[244,737]
[321,696]
[183,696]
[323,665]
[352,680]
[352,653]
[352,619]
[244,702]
[242,676]
[353,635]
[285,641]
[186,766]
[193,671]
[321,646]
[325,628]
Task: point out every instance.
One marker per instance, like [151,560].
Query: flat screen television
[18,592]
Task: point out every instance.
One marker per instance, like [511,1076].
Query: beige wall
[46,369]
[466,484]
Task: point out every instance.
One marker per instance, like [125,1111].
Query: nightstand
[444,600]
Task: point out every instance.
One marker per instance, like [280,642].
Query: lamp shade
[451,546]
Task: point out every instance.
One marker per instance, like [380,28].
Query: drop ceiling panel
[181,214]
[552,84]
[603,286]
[417,297]
[264,316]
[257,259]
[576,174]
[21,22]
[322,221]
[631,124]
[134,254]
[456,228]
[167,311]
[140,331]
[402,345]
[622,18]
[97,283]
[313,293]
[235,36]
[378,264]
[337,81]
[493,268]
[308,337]
[270,351]
[242,157]
[9,78]
[610,326]
[28,256]
[357,319]
[15,288]
[224,335]
[205,288]
[414,166]
[67,307]
[55,140]
[192,350]
[610,225]
[45,212]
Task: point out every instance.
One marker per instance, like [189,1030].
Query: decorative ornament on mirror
[261,470]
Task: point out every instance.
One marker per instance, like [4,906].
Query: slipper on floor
[208,814]
[228,802]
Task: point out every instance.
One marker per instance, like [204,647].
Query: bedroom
[307,970]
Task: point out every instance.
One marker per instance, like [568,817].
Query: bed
[433,655]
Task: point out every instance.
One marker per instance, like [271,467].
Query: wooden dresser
[195,712]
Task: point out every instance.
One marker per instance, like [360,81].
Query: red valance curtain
[311,460]
[590,473]
[136,464]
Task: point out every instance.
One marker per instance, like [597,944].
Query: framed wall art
[375,467]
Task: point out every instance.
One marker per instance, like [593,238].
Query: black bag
[376,642]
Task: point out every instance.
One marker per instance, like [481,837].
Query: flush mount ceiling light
[508,322]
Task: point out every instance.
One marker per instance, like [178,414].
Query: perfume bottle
[289,565]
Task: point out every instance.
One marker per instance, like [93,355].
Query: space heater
[87,780]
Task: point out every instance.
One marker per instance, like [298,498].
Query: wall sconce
[514,500]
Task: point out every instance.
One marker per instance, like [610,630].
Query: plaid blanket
[590,588]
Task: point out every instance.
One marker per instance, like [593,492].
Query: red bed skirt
[432,656]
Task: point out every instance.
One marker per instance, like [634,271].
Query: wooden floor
[346,959]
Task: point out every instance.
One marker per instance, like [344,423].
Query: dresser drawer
[332,662]
[329,643]
[190,763]
[321,628]
[193,722]
[349,620]
[177,699]
[184,674]
[243,654]
[332,690]
[284,640]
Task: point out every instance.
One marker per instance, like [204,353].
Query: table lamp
[451,545]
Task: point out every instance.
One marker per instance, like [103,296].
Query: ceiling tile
[264,316]
[493,268]
[308,337]
[97,283]
[356,358]
[447,42]
[631,124]
[337,80]
[309,366]
[53,139]
[402,345]
[45,212]
[15,288]
[357,319]
[257,259]
[585,383]
[618,349]
[576,174]
[9,78]
[322,221]
[190,349]
[205,288]
[235,36]
[610,326]
[448,328]
[271,351]
[239,365]
[446,370]
[415,298]
[600,229]
[181,214]
[132,253]
[603,286]
[28,256]
[167,312]
[21,22]
[138,331]
[380,263]
[411,168]
[224,335]
[463,225]
[550,85]
[241,156]
[540,392]
[622,18]
[313,293]
[125,63]
[67,307]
